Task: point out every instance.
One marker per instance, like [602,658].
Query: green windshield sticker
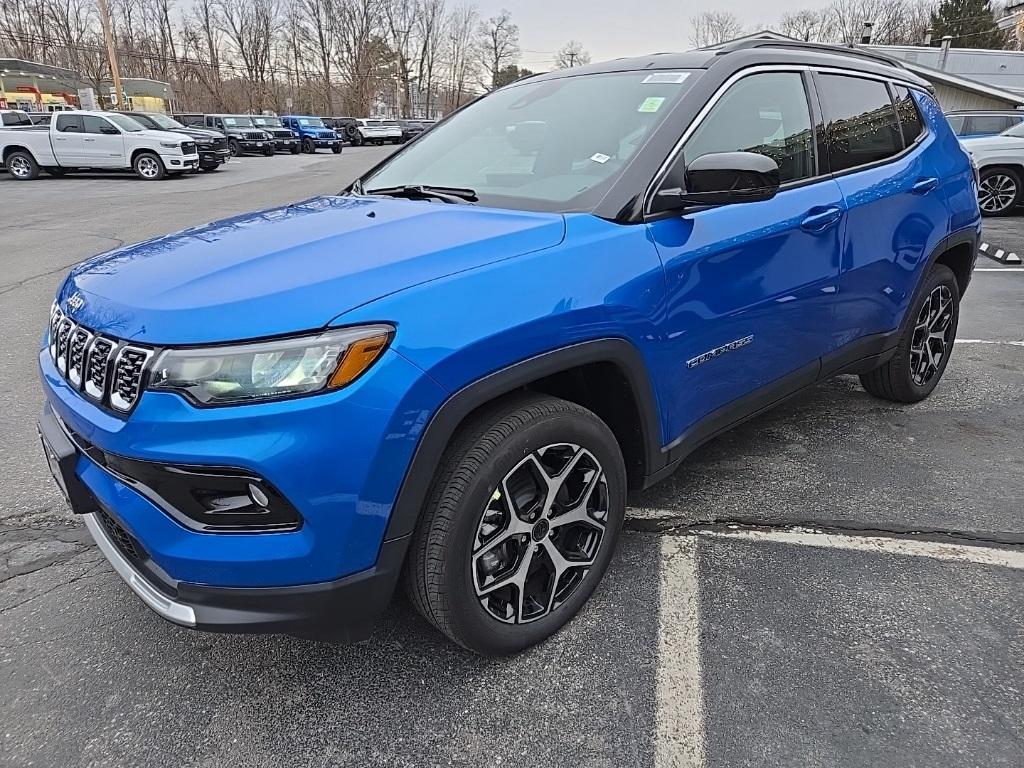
[651,104]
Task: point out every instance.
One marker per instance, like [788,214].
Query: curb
[998,254]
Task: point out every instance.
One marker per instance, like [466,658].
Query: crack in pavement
[8,287]
[678,525]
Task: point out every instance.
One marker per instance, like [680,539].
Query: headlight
[171,145]
[267,370]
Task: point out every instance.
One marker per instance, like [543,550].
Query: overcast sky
[612,28]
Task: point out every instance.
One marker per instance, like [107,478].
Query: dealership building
[36,87]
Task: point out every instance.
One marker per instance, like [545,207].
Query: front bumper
[339,611]
[318,142]
[338,458]
[286,145]
[181,162]
[209,157]
[327,579]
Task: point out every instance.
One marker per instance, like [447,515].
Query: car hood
[997,142]
[198,133]
[158,135]
[291,269]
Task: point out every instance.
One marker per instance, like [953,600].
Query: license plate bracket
[62,458]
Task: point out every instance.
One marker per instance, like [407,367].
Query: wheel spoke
[516,577]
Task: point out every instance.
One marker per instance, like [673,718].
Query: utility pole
[572,59]
[108,38]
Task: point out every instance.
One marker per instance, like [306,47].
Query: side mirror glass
[722,178]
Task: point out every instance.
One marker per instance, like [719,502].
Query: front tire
[235,147]
[148,166]
[925,345]
[22,166]
[999,191]
[336,149]
[308,146]
[520,524]
[295,149]
[269,151]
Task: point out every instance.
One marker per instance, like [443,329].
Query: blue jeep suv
[450,374]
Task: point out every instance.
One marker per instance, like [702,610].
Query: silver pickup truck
[95,140]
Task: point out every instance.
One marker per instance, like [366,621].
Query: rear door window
[69,123]
[956,122]
[860,121]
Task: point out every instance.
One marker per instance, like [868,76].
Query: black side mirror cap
[722,178]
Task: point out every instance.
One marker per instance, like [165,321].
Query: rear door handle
[820,219]
[88,139]
[924,186]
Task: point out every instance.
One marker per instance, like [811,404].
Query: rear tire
[148,166]
[925,345]
[999,191]
[22,166]
[498,572]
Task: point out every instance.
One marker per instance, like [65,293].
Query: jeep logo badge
[76,302]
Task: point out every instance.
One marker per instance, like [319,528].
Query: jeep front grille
[106,370]
[254,135]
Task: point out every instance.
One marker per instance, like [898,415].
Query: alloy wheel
[540,533]
[997,192]
[931,340]
[148,167]
[19,167]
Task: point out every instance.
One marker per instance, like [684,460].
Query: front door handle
[88,139]
[820,219]
[924,186]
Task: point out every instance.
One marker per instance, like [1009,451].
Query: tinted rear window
[861,124]
[988,124]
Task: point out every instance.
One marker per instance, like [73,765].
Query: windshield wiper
[419,191]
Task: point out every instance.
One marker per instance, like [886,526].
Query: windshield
[125,123]
[551,145]
[311,122]
[1016,131]
[238,122]
[164,122]
[389,122]
[267,122]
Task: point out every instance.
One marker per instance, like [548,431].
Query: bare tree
[361,51]
[400,23]
[321,34]
[461,61]
[714,27]
[429,30]
[807,25]
[499,46]
[249,27]
[572,54]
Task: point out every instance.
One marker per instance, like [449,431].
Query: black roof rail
[839,50]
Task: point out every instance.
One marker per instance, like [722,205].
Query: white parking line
[937,550]
[679,733]
[997,269]
[987,341]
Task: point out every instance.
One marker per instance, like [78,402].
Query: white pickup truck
[379,131]
[95,140]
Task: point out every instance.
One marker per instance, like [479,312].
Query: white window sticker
[675,78]
[600,158]
[651,104]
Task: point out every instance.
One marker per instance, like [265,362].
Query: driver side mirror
[722,178]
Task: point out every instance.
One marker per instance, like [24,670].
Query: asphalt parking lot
[836,583]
